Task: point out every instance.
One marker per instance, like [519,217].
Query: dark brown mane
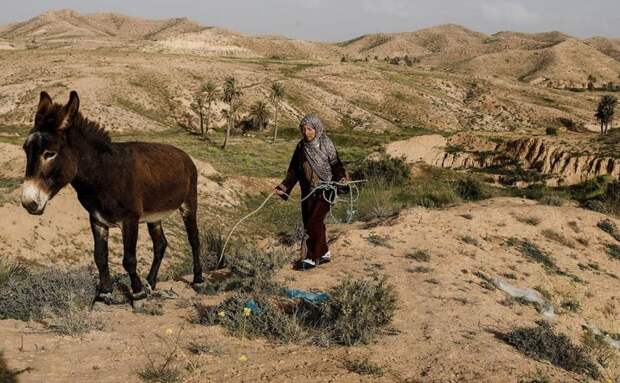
[91,132]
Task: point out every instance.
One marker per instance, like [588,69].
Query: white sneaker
[326,257]
[308,263]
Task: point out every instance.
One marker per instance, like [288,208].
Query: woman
[315,159]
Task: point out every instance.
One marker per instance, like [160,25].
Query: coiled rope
[329,191]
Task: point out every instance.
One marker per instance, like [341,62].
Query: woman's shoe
[306,264]
[325,258]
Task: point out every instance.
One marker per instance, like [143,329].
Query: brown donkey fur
[119,184]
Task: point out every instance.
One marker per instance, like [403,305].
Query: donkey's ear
[70,109]
[45,102]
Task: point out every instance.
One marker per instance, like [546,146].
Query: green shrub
[531,251]
[470,189]
[596,346]
[377,200]
[356,312]
[30,296]
[11,271]
[419,255]
[543,343]
[252,270]
[607,202]
[613,251]
[609,227]
[551,131]
[552,200]
[389,170]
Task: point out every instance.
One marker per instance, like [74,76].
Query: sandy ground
[444,317]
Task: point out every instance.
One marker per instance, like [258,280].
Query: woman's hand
[343,180]
[279,190]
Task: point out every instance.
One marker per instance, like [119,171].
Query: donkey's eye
[48,155]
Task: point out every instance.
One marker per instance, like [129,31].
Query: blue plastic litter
[314,298]
[252,305]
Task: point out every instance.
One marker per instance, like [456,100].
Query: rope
[325,186]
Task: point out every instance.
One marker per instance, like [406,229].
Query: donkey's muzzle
[33,198]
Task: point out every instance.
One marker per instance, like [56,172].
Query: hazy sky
[337,20]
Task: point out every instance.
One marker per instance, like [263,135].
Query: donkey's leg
[130,238]
[100,235]
[159,248]
[188,210]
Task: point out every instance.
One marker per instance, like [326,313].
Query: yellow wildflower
[247,311]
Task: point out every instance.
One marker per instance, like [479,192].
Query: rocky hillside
[563,164]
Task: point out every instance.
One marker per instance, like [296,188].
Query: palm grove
[259,113]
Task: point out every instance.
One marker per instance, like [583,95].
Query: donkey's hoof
[106,298]
[139,295]
[198,280]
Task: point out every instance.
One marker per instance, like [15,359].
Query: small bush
[252,270]
[419,255]
[559,238]
[531,251]
[609,227]
[552,200]
[162,366]
[551,131]
[571,305]
[486,282]
[356,312]
[596,346]
[420,269]
[389,170]
[596,205]
[377,240]
[32,296]
[543,343]
[11,271]
[75,321]
[534,221]
[377,201]
[470,189]
[468,239]
[273,322]
[363,367]
[613,251]
[607,202]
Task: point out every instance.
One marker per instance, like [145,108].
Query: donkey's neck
[96,156]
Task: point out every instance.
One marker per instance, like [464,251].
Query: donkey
[119,184]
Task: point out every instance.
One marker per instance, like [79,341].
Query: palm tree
[605,112]
[211,92]
[198,106]
[277,94]
[231,96]
[259,112]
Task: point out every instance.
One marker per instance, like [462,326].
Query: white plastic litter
[596,331]
[545,308]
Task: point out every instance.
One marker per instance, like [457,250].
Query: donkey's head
[51,163]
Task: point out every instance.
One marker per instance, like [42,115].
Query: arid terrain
[504,164]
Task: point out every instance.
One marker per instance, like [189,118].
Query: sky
[339,20]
